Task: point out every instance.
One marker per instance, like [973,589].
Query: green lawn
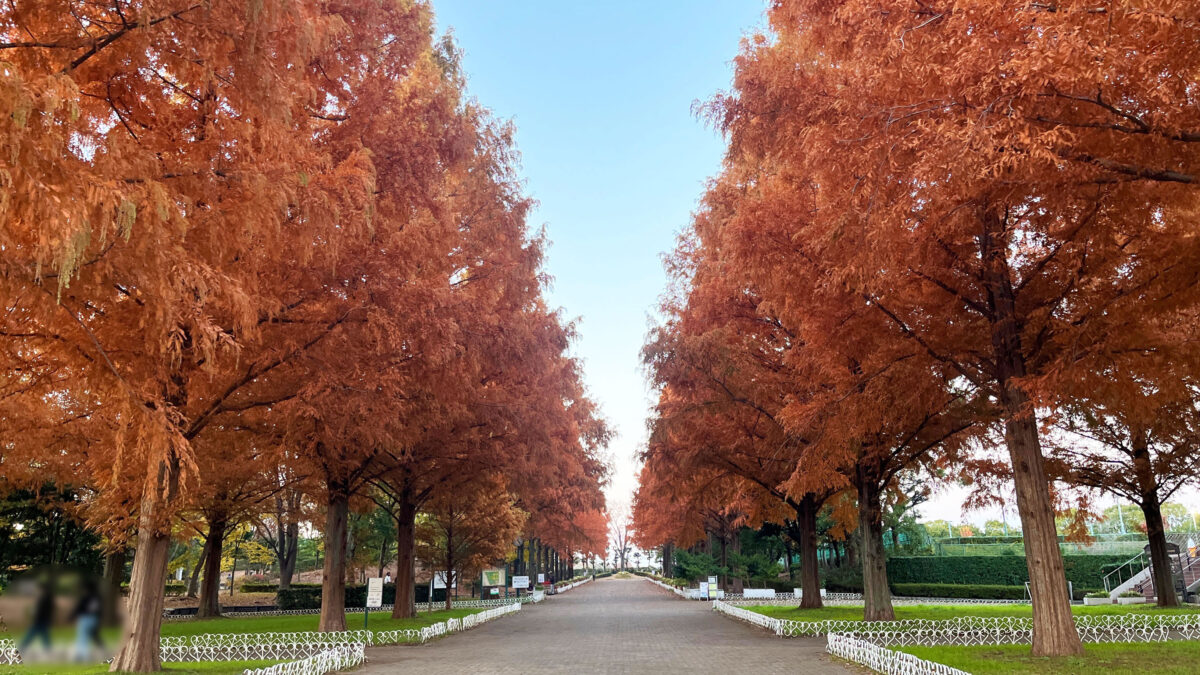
[210,668]
[943,612]
[1160,658]
[305,622]
[271,624]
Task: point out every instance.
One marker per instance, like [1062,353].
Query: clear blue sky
[602,94]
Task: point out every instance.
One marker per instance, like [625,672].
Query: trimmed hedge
[977,591]
[170,588]
[260,588]
[1082,570]
[308,596]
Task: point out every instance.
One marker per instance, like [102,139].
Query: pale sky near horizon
[602,94]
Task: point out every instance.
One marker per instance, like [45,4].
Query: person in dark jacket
[43,616]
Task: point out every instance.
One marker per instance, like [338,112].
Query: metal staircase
[1137,573]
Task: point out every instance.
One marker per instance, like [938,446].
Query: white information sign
[541,578]
[712,588]
[439,580]
[520,582]
[703,589]
[375,592]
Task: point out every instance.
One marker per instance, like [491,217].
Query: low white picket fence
[856,599]
[867,643]
[421,606]
[884,660]
[328,661]
[305,652]
[566,587]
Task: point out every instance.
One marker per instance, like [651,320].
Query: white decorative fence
[330,660]
[884,660]
[306,652]
[669,587]
[566,587]
[9,655]
[420,606]
[856,599]
[257,646]
[868,643]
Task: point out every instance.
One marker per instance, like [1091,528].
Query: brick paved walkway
[609,626]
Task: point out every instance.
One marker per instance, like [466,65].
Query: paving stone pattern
[610,626]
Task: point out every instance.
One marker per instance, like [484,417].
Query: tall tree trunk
[1160,557]
[194,581]
[787,557]
[810,575]
[210,587]
[147,582]
[333,576]
[405,606]
[290,548]
[114,574]
[449,562]
[519,567]
[1054,632]
[534,560]
[668,560]
[877,597]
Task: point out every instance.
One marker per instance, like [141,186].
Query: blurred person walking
[43,616]
[87,621]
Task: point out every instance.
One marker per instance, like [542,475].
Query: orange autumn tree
[1008,194]
[1133,433]
[467,527]
[165,136]
[283,202]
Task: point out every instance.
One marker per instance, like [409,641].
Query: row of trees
[940,229]
[264,257]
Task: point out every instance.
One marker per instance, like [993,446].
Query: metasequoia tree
[729,369]
[1135,437]
[236,481]
[260,218]
[159,193]
[464,530]
[1008,195]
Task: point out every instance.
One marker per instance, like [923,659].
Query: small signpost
[712,588]
[520,582]
[374,597]
[541,578]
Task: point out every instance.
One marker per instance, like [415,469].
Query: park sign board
[439,580]
[494,577]
[541,578]
[521,582]
[712,588]
[375,592]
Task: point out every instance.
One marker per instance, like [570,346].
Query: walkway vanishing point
[609,626]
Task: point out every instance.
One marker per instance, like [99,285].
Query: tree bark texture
[810,575]
[210,586]
[877,597]
[114,574]
[139,652]
[1054,632]
[333,575]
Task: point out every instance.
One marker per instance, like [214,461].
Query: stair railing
[1126,571]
